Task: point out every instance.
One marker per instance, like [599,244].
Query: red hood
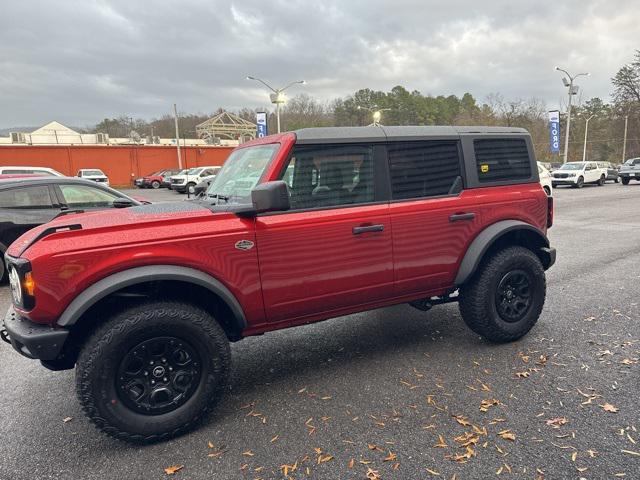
[108,221]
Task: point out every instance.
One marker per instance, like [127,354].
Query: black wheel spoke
[513,296]
[158,375]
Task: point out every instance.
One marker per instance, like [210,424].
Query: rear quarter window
[502,159]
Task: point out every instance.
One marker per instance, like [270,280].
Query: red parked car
[155,180]
[296,228]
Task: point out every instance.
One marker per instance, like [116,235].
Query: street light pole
[571,92]
[586,131]
[277,96]
[624,142]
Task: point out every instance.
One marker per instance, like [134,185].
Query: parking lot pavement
[396,391]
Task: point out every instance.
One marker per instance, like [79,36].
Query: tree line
[400,106]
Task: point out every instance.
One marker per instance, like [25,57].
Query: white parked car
[188,181]
[44,171]
[577,174]
[545,179]
[93,174]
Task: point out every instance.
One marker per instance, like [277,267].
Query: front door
[332,250]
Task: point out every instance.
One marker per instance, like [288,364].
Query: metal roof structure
[226,125]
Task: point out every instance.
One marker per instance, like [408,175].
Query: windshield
[240,173]
[194,171]
[572,166]
[631,161]
[92,173]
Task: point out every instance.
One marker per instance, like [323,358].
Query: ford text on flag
[554,131]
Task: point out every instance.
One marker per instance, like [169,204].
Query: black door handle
[367,228]
[462,216]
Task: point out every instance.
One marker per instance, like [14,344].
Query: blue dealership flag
[554,131]
[261,121]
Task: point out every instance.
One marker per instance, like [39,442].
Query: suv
[187,182]
[577,174]
[630,170]
[155,180]
[296,228]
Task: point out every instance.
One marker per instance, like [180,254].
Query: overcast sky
[81,61]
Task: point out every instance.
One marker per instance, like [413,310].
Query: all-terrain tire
[625,180]
[99,368]
[478,298]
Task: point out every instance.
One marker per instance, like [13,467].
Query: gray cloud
[79,61]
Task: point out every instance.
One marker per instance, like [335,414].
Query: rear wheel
[625,180]
[504,299]
[617,179]
[601,180]
[153,371]
[155,184]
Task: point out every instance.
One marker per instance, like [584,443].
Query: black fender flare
[133,276]
[489,236]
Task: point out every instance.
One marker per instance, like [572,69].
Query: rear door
[333,249]
[431,220]
[23,208]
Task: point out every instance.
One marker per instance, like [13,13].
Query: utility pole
[586,131]
[624,142]
[573,90]
[175,116]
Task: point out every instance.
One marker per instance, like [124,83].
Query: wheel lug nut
[153,382]
[171,369]
[164,379]
[146,373]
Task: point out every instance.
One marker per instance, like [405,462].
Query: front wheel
[580,182]
[191,188]
[155,184]
[504,299]
[153,371]
[625,180]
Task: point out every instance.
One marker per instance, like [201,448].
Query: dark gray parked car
[28,202]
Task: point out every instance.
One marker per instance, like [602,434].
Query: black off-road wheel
[504,298]
[625,180]
[153,371]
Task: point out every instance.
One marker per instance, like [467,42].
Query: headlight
[16,287]
[21,283]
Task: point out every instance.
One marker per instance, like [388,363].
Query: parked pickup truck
[296,228]
[630,170]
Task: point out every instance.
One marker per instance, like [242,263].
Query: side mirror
[122,203]
[271,197]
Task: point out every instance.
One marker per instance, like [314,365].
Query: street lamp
[586,132]
[573,90]
[624,142]
[377,113]
[278,97]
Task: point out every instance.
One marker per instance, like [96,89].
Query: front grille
[560,175]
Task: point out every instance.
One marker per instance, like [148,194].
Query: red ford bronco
[296,228]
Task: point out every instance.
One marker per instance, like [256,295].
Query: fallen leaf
[485,405]
[67,419]
[507,435]
[462,420]
[173,469]
[248,453]
[274,438]
[373,475]
[351,463]
[556,422]
[432,472]
[441,442]
[607,407]
[631,452]
[522,374]
[391,457]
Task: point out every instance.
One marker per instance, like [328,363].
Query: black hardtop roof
[382,133]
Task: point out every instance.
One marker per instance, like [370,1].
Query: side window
[424,169]
[31,197]
[330,175]
[499,159]
[82,196]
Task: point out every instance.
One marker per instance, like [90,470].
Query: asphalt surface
[342,396]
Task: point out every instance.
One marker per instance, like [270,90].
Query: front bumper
[629,175]
[33,340]
[563,181]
